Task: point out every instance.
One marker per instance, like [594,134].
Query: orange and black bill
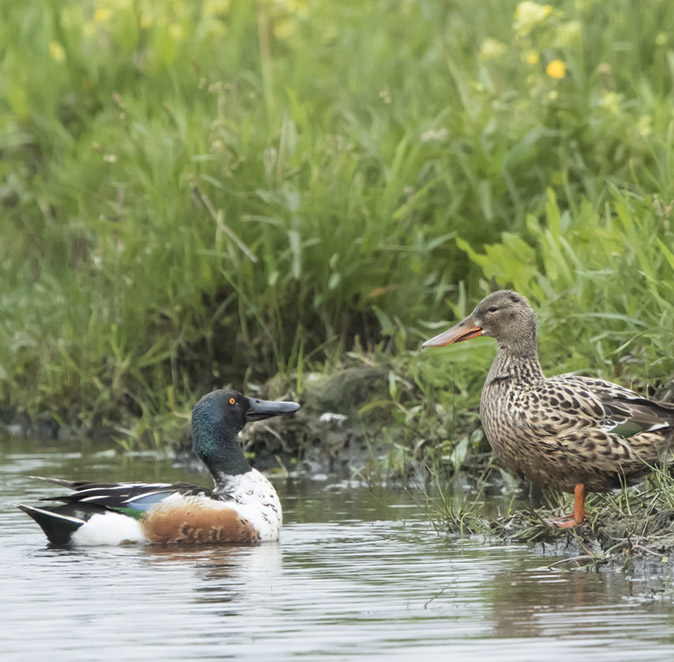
[464,330]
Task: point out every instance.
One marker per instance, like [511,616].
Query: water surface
[358,574]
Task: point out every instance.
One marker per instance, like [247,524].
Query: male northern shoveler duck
[575,434]
[243,506]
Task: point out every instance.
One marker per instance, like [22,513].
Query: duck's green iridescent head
[218,418]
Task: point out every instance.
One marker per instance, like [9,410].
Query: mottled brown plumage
[566,432]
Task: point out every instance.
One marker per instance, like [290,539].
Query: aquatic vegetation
[629,526]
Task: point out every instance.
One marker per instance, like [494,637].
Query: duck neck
[517,362]
[216,445]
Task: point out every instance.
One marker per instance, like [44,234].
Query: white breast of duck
[254,498]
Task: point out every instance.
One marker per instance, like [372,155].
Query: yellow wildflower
[533,57]
[145,20]
[492,49]
[285,28]
[177,31]
[216,7]
[102,15]
[299,7]
[556,69]
[611,102]
[528,14]
[56,51]
[644,126]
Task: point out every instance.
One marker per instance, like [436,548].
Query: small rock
[331,417]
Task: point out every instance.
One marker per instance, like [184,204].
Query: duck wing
[128,498]
[631,416]
[614,408]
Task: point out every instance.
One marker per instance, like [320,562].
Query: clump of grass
[630,524]
[456,512]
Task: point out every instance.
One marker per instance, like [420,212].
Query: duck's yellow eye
[232,401]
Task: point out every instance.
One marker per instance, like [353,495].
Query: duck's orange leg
[578,516]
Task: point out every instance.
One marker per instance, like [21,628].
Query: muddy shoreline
[641,540]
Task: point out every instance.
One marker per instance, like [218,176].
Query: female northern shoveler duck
[571,433]
[243,506]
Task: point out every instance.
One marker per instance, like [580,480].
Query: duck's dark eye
[232,401]
[492,309]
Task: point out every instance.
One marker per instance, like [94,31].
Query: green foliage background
[200,192]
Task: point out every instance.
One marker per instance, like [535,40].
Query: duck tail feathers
[57,526]
[70,484]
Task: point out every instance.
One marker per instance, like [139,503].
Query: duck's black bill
[261,409]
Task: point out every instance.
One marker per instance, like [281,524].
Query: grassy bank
[627,528]
[203,193]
